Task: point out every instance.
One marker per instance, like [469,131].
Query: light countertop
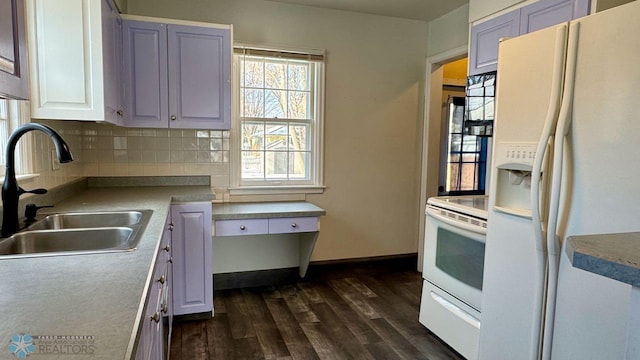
[100,296]
[265,210]
[616,256]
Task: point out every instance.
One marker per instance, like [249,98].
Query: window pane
[275,76]
[452,177]
[299,105]
[470,158]
[455,145]
[252,103]
[4,129]
[299,137]
[468,180]
[299,165]
[252,165]
[276,137]
[275,104]
[253,74]
[252,135]
[276,165]
[298,77]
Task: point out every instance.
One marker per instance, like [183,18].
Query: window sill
[22,177]
[274,190]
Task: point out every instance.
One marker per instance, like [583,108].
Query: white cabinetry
[74,59]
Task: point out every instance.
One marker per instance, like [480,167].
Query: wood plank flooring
[359,312]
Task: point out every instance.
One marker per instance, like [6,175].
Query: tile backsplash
[107,150]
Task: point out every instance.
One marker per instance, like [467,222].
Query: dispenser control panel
[515,155]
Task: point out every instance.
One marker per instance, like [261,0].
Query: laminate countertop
[265,210]
[616,256]
[88,306]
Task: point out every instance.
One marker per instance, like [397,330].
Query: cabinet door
[485,37]
[145,72]
[67,57]
[14,82]
[545,13]
[199,77]
[112,49]
[192,258]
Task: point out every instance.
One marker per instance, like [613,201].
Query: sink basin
[78,233]
[88,220]
[73,240]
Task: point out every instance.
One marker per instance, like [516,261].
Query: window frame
[17,114]
[315,182]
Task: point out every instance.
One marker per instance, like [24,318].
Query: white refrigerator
[566,162]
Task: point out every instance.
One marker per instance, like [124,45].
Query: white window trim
[317,187]
[18,113]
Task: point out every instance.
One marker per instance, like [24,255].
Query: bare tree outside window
[277,115]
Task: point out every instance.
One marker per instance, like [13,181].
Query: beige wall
[449,31]
[479,9]
[375,72]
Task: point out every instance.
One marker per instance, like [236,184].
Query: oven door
[454,256]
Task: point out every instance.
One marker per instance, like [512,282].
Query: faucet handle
[31,210]
[34,191]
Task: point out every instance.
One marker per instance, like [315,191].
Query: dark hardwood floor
[340,312]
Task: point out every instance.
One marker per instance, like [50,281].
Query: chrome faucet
[10,190]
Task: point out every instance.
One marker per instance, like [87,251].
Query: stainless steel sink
[88,220]
[78,233]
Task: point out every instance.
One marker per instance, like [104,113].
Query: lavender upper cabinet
[179,76]
[546,13]
[483,53]
[14,82]
[74,60]
[145,72]
[485,37]
[192,258]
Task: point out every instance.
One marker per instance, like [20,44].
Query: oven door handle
[461,225]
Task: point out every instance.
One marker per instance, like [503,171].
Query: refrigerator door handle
[553,242]
[536,183]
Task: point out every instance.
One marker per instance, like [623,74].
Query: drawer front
[241,227]
[293,225]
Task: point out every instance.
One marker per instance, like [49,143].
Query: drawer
[293,225]
[241,227]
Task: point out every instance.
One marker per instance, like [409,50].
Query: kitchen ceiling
[425,10]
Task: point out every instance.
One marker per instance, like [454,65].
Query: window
[14,113]
[279,118]
[465,156]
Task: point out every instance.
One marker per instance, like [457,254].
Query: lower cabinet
[182,277]
[192,258]
[155,336]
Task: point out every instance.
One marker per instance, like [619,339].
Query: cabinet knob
[155,317]
[243,228]
[167,248]
[171,260]
[294,225]
[173,117]
[120,113]
[165,308]
[162,279]
[170,228]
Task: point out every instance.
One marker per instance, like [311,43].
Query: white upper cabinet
[75,59]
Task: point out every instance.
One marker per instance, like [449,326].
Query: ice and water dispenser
[513,164]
